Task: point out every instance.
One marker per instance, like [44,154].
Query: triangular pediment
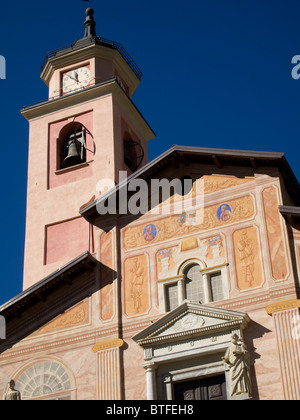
[191,319]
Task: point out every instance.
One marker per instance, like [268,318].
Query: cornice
[256,300]
[179,336]
[90,94]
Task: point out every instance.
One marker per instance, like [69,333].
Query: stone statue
[237,359]
[12,394]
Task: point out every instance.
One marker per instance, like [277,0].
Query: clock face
[76,79]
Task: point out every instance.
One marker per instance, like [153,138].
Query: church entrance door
[211,388]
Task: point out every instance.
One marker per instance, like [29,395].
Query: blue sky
[216,74]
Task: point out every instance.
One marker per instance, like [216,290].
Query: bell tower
[87,130]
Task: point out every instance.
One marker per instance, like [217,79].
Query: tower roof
[90,38]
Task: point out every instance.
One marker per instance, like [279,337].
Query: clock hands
[74,78]
[71,77]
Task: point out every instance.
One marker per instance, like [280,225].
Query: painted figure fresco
[224,212]
[149,233]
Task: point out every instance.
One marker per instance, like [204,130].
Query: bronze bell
[73,154]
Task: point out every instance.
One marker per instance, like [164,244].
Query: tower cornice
[110,87]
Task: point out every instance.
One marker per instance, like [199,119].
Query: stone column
[206,288]
[181,290]
[168,387]
[109,369]
[151,381]
[287,330]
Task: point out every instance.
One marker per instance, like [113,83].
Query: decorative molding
[108,344]
[188,334]
[174,278]
[256,298]
[49,345]
[283,306]
[208,269]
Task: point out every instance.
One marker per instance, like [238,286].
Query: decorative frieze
[178,226]
[75,316]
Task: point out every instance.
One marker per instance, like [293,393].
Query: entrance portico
[183,351]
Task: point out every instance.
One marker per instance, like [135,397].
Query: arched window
[46,379]
[195,283]
[71,146]
[133,153]
[194,290]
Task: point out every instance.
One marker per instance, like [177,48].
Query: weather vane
[88,1]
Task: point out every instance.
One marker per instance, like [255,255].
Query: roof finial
[89,23]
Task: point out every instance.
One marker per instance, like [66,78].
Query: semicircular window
[44,379]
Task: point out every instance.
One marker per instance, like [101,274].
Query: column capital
[108,344]
[150,367]
[282,306]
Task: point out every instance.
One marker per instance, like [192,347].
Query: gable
[191,320]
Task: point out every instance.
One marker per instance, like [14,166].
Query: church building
[175,279]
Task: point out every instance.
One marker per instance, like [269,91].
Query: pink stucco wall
[66,240]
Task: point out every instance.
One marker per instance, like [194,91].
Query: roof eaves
[44,284]
[253,158]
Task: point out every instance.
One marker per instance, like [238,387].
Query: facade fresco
[75,316]
[156,305]
[274,233]
[211,251]
[136,293]
[186,224]
[247,256]
[214,183]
